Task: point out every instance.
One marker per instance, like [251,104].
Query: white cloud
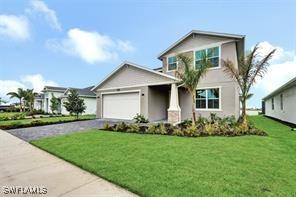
[49,14]
[91,47]
[16,27]
[9,86]
[125,46]
[280,55]
[281,69]
[35,81]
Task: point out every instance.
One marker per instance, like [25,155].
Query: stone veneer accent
[174,117]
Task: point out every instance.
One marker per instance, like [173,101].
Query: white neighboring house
[281,103]
[42,101]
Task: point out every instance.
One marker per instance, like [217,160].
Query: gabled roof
[287,85]
[134,65]
[198,32]
[83,91]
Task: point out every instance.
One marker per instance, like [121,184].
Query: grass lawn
[9,114]
[154,165]
[49,120]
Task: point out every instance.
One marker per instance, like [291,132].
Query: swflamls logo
[30,190]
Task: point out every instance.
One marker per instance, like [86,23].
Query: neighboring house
[61,93]
[38,102]
[158,95]
[87,95]
[281,103]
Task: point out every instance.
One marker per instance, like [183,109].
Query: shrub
[178,132]
[185,123]
[214,118]
[161,129]
[169,128]
[143,128]
[139,118]
[190,131]
[214,126]
[121,127]
[107,126]
[201,121]
[229,120]
[152,129]
[133,128]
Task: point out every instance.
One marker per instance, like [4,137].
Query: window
[282,102]
[172,63]
[212,55]
[208,98]
[272,104]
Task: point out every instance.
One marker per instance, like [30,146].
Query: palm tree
[2,101]
[19,94]
[190,77]
[250,67]
[29,98]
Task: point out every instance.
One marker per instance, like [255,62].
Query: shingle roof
[84,91]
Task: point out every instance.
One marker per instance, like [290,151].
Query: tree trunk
[243,118]
[193,109]
[21,105]
[77,116]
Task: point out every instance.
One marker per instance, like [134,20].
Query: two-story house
[158,93]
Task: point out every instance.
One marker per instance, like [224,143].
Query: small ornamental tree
[55,103]
[74,104]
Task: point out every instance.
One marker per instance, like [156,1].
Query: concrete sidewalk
[22,164]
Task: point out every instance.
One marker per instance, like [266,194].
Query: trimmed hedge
[40,122]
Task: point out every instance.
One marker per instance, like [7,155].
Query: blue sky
[41,41]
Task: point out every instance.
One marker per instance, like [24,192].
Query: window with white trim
[212,54]
[208,98]
[172,63]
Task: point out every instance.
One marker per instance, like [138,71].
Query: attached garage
[131,89]
[123,105]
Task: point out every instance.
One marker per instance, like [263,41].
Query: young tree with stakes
[54,103]
[74,104]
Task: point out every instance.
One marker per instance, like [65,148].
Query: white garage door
[121,105]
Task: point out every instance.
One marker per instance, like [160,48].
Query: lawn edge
[89,171]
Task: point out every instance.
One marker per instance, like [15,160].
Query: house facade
[281,103]
[43,101]
[159,95]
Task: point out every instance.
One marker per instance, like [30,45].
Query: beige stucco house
[281,103]
[158,94]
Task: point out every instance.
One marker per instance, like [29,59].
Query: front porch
[163,103]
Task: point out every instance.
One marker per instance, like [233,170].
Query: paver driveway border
[22,164]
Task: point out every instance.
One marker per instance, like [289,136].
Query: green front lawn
[7,124]
[155,165]
[10,114]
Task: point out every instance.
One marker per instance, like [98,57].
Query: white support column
[174,111]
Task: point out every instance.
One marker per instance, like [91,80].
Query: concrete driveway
[23,165]
[33,133]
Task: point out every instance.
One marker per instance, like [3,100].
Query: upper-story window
[172,63]
[212,54]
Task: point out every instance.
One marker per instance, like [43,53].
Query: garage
[124,105]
